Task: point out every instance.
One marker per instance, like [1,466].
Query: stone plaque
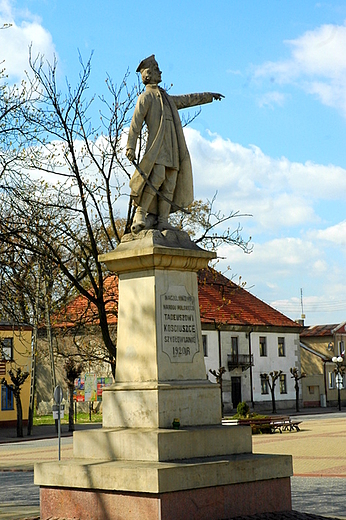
[179,325]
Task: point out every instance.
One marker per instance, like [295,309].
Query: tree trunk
[70,410]
[19,416]
[273,399]
[33,353]
[297,396]
[111,347]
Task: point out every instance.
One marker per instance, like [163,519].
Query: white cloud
[278,255]
[317,64]
[25,30]
[334,234]
[277,192]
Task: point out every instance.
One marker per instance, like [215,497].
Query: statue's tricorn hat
[145,64]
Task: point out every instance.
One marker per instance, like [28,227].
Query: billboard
[89,388]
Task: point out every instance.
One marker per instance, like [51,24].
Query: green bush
[243,409]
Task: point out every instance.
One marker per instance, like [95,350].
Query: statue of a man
[162,182]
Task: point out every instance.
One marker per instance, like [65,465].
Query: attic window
[6,345]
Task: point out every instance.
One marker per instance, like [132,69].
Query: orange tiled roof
[221,301]
[318,330]
[82,311]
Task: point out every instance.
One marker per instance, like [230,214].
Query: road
[19,497]
[23,455]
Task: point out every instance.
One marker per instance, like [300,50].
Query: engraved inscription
[179,330]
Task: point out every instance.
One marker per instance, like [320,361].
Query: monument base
[127,474]
[222,502]
[138,466]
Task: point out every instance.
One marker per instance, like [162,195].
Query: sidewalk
[318,449]
[44,431]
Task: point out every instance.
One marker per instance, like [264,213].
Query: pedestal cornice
[155,250]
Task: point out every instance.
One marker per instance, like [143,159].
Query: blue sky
[273,148]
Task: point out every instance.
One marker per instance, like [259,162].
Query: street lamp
[339,371]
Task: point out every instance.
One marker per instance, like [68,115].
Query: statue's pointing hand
[217,96]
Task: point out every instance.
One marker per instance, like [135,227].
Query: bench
[272,424]
[284,424]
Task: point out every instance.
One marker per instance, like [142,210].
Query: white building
[248,338]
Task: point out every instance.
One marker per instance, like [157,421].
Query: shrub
[243,409]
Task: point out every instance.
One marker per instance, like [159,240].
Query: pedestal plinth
[138,466]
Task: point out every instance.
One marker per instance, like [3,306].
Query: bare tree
[18,378]
[271,378]
[64,184]
[72,371]
[205,225]
[218,375]
[296,376]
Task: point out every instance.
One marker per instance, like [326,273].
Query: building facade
[319,345]
[15,352]
[248,338]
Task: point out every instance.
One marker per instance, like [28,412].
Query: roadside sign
[339,381]
[58,399]
[56,411]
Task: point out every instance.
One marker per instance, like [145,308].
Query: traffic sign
[58,394]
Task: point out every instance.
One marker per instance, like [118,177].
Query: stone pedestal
[138,466]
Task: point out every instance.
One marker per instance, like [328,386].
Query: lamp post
[339,372]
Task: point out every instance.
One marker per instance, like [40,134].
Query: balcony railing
[243,361]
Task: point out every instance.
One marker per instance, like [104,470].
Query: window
[341,348]
[234,347]
[331,380]
[6,398]
[264,386]
[311,390]
[263,346]
[6,349]
[281,347]
[283,386]
[205,345]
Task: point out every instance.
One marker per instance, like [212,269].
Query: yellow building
[15,352]
[319,345]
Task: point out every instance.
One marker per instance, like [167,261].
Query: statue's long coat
[149,109]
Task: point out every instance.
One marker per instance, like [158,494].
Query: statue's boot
[139,222]
[162,219]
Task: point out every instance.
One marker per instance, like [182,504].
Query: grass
[82,418]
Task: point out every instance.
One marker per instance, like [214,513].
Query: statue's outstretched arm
[191,100]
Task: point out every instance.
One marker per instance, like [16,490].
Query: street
[19,496]
[23,455]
